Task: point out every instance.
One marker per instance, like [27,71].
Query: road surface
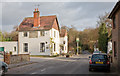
[58,65]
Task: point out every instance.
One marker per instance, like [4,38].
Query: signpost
[77,40]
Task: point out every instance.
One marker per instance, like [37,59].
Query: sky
[80,14]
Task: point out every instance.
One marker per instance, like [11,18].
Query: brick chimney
[36,18]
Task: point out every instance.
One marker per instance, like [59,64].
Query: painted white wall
[34,43]
[56,40]
[9,46]
[109,46]
[62,39]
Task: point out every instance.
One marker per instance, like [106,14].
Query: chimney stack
[36,18]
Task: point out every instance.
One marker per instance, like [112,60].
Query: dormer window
[25,34]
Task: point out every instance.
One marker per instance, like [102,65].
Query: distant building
[96,46]
[10,46]
[109,47]
[115,16]
[63,41]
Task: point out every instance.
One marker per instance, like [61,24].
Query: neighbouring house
[10,46]
[63,41]
[96,46]
[115,16]
[40,35]
[109,47]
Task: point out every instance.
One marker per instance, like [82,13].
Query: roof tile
[46,23]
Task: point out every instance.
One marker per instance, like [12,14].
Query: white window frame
[40,47]
[41,34]
[24,35]
[14,48]
[24,47]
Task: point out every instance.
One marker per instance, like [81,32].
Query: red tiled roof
[63,32]
[46,23]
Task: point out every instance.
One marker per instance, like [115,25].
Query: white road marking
[43,69]
[65,60]
[34,73]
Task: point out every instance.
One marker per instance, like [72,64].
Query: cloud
[80,14]
[0,16]
[59,0]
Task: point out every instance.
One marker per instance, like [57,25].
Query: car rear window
[99,56]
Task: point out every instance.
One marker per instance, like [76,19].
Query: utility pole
[77,40]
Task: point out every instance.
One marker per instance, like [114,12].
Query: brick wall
[119,41]
[116,38]
[11,59]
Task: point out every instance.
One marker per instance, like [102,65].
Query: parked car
[96,52]
[99,61]
[3,67]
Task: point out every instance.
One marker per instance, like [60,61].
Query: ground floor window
[25,47]
[42,47]
[62,47]
[14,48]
[115,52]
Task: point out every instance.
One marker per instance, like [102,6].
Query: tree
[1,36]
[104,19]
[103,38]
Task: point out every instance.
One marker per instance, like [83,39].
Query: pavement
[20,64]
[58,65]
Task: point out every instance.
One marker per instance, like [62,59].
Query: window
[25,47]
[54,34]
[115,52]
[63,42]
[33,34]
[14,48]
[42,47]
[54,47]
[99,56]
[42,33]
[25,34]
[62,48]
[114,22]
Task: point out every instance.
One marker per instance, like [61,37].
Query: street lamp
[77,40]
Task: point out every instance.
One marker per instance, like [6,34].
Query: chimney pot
[36,18]
[37,9]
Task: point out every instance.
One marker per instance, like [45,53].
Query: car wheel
[108,70]
[90,69]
